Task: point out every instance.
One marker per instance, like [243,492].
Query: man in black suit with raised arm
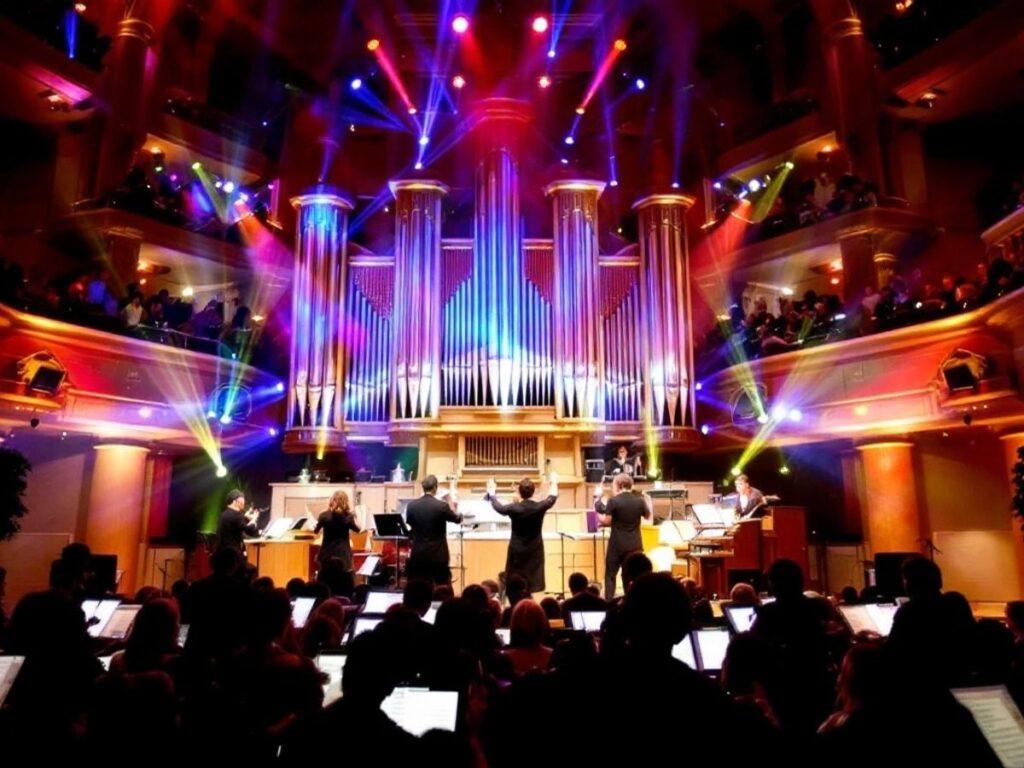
[427,518]
[526,545]
[234,524]
[622,513]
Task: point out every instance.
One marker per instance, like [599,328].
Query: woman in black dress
[336,522]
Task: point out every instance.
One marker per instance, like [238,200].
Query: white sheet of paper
[332,665]
[379,602]
[998,719]
[9,667]
[418,710]
[712,645]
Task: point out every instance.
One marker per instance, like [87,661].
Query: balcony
[119,387]
[881,385]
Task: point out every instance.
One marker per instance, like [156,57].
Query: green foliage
[14,469]
[1018,487]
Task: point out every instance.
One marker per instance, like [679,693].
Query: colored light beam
[770,194]
[618,47]
[386,64]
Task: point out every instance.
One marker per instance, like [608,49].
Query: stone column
[123,97]
[666,311]
[418,312]
[578,342]
[316,380]
[117,501]
[890,508]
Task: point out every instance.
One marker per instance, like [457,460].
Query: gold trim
[330,198]
[414,185]
[575,185]
[885,444]
[665,198]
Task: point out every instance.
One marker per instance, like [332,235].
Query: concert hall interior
[640,334]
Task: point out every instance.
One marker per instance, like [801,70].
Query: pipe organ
[497,340]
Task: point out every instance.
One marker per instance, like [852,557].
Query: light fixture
[418,167]
[356,84]
[779,412]
[699,386]
[196,165]
[373,45]
[787,291]
[783,470]
[552,53]
[279,386]
[640,84]
[795,414]
[424,140]
[188,292]
[564,160]
[620,45]
[675,185]
[613,183]
[412,110]
[211,414]
[460,24]
[789,165]
[736,471]
[540,24]
[544,81]
[80,7]
[272,431]
[225,418]
[580,110]
[754,185]
[222,471]
[717,185]
[570,140]
[458,82]
[705,429]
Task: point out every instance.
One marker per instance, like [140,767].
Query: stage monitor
[97,614]
[876,618]
[332,665]
[418,710]
[120,622]
[998,719]
[301,608]
[9,668]
[740,617]
[683,651]
[587,621]
[380,600]
[711,645]
[365,624]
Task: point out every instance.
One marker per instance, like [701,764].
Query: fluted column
[579,348]
[667,315]
[123,102]
[418,311]
[889,505]
[115,523]
[316,379]
[498,282]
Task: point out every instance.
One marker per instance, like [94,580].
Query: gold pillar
[889,505]
[885,266]
[115,522]
[1011,444]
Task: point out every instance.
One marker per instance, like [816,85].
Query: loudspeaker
[888,578]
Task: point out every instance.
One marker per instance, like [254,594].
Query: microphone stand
[562,536]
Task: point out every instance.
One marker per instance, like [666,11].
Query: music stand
[391,527]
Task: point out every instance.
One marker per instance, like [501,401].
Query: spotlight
[418,167]
[272,431]
[789,165]
[783,470]
[458,82]
[222,471]
[196,165]
[145,412]
[540,24]
[736,471]
[279,386]
[620,45]
[795,414]
[762,419]
[717,185]
[218,184]
[564,160]
[424,140]
[787,291]
[754,185]
[640,84]
[243,197]
[570,140]
[412,110]
[211,414]
[779,412]
[613,183]
[705,429]
[188,292]
[225,419]
[356,84]
[460,24]
[580,110]
[373,45]
[675,185]
[552,53]
[80,7]
[544,81]
[698,386]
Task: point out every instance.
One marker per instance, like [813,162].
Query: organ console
[724,555]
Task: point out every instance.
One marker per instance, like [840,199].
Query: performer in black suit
[526,546]
[623,513]
[622,463]
[427,517]
[235,525]
[336,522]
[750,502]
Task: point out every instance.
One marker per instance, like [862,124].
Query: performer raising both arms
[526,546]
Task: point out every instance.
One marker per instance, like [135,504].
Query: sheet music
[883,616]
[332,665]
[9,667]
[712,645]
[588,621]
[418,710]
[998,719]
[279,528]
[683,651]
[369,565]
[380,602]
[858,618]
[101,610]
[120,622]
[301,608]
[364,624]
[741,617]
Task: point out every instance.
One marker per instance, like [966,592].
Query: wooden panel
[281,560]
[976,563]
